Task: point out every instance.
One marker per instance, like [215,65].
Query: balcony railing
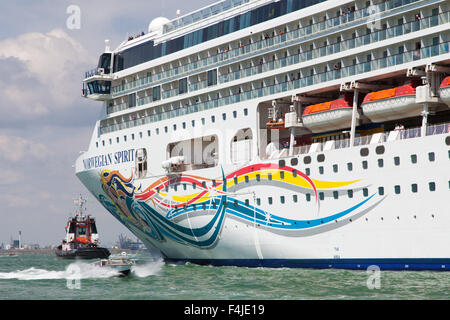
[259,47]
[349,71]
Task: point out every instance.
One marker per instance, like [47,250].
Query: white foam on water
[148,269]
[79,269]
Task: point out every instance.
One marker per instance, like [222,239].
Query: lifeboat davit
[445,91]
[328,116]
[392,104]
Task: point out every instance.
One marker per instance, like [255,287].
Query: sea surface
[46,277]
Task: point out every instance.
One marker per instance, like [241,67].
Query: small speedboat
[121,264]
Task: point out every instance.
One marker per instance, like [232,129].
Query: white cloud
[48,74]
[16,149]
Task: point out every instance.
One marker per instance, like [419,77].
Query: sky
[45,122]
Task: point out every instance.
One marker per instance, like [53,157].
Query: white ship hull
[409,230]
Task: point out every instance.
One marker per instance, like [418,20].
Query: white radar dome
[157,25]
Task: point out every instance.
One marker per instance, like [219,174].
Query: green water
[40,276]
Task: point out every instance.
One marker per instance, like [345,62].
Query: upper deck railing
[181,109]
[383,137]
[260,46]
[201,14]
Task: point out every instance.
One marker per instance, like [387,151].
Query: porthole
[447,140]
[307,160]
[281,163]
[294,161]
[432,186]
[321,158]
[380,163]
[364,152]
[365,164]
[380,150]
[365,192]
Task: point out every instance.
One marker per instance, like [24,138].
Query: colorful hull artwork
[157,215]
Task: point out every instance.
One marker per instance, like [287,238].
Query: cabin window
[308,197]
[282,199]
[414,188]
[321,196]
[414,158]
[380,163]
[365,164]
[294,161]
[397,161]
[397,189]
[350,193]
[381,191]
[335,168]
[350,166]
[335,195]
[270,200]
[431,156]
[432,186]
[294,198]
[365,192]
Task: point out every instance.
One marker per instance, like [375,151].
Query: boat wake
[148,269]
[79,270]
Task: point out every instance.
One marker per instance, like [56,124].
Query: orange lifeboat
[392,104]
[444,91]
[328,116]
[280,125]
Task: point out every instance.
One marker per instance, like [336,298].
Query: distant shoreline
[51,251]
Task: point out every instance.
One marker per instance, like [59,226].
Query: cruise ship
[289,133]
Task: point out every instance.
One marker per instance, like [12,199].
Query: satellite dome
[157,24]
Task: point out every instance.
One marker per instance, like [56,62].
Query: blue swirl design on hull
[161,226]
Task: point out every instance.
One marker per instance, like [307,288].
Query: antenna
[80,203]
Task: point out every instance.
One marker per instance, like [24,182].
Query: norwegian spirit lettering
[108,159]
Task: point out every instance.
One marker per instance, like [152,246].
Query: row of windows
[349,193]
[349,165]
[175,127]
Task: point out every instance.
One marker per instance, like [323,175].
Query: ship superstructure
[300,133]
